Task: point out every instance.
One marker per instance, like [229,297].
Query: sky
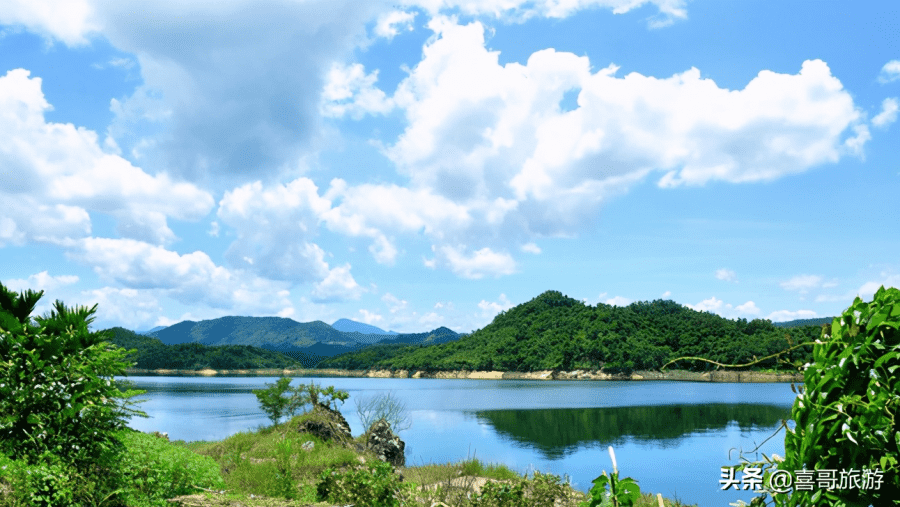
[421,163]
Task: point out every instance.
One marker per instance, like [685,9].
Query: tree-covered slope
[153,354]
[553,331]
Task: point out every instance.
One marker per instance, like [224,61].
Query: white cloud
[492,308]
[274,226]
[726,275]
[40,281]
[56,173]
[867,290]
[394,303]
[69,21]
[370,318]
[130,308]
[888,114]
[350,91]
[727,310]
[618,301]
[388,23]
[666,294]
[337,285]
[531,248]
[520,10]
[802,283]
[191,278]
[477,264]
[786,315]
[890,72]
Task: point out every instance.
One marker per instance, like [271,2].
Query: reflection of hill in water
[557,432]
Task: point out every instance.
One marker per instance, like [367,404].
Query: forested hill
[556,332]
[153,354]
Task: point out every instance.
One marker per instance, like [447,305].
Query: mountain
[556,332]
[286,335]
[148,331]
[153,354]
[350,326]
[805,322]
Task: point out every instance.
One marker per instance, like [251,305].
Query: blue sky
[418,163]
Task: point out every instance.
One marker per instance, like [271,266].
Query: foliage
[555,332]
[375,485]
[58,404]
[156,470]
[280,399]
[383,406]
[623,492]
[846,417]
[151,354]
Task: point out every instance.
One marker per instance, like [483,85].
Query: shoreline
[683,375]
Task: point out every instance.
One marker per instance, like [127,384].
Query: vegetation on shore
[556,332]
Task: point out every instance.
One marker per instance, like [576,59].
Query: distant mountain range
[350,326]
[805,322]
[286,335]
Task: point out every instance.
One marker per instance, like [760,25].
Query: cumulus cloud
[350,91]
[890,72]
[191,278]
[40,281]
[888,114]
[388,23]
[786,315]
[337,285]
[394,303]
[867,290]
[727,310]
[726,275]
[618,301]
[56,173]
[70,21]
[495,307]
[368,317]
[666,294]
[131,308]
[531,248]
[520,10]
[274,226]
[473,265]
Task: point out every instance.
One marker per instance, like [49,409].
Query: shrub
[375,485]
[846,417]
[59,408]
[155,470]
[382,406]
[280,399]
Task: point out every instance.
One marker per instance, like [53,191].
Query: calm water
[672,437]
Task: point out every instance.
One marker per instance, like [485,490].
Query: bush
[382,406]
[59,409]
[280,399]
[846,417]
[155,470]
[376,485]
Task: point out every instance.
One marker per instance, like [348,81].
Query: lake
[672,437]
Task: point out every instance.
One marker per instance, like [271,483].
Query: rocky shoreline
[713,376]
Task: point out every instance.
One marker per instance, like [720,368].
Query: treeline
[152,354]
[556,332]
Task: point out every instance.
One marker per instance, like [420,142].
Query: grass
[269,467]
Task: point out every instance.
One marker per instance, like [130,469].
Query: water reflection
[556,433]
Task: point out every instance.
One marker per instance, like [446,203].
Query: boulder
[385,444]
[326,424]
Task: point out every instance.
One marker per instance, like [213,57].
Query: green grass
[267,467]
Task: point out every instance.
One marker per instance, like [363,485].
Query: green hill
[556,332]
[153,354]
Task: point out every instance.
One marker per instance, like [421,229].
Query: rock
[385,444]
[326,424]
[308,445]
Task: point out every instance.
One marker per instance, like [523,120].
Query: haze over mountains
[286,335]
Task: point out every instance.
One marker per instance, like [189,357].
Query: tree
[57,395]
[280,399]
[385,406]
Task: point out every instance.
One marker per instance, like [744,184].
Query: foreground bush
[375,485]
[59,409]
